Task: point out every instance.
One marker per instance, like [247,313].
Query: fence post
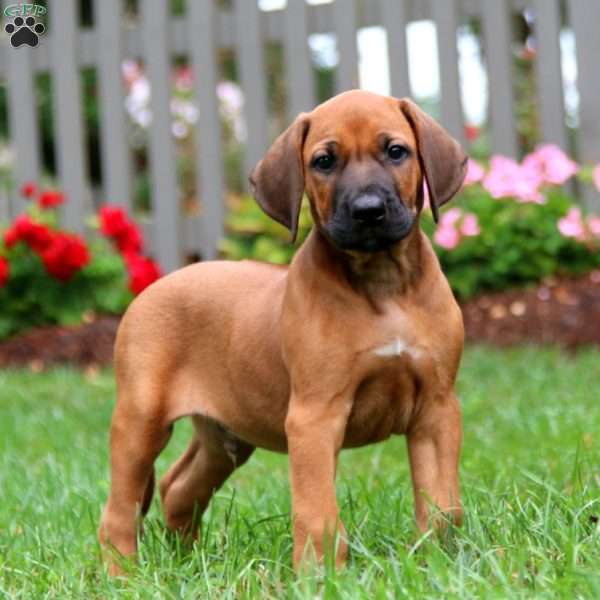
[300,89]
[498,55]
[445,15]
[346,75]
[165,198]
[393,17]
[69,138]
[585,17]
[22,115]
[549,75]
[209,153]
[252,76]
[116,164]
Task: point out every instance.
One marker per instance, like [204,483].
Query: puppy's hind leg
[136,439]
[188,486]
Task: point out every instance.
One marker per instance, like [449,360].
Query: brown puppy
[360,338]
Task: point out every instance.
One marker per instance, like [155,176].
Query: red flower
[130,240]
[11,237]
[142,272]
[51,198]
[65,256]
[37,236]
[4,271]
[29,189]
[115,224]
[472,132]
[113,221]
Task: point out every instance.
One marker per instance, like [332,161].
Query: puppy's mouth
[375,232]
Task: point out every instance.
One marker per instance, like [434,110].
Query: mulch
[563,312]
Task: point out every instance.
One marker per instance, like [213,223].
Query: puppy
[359,339]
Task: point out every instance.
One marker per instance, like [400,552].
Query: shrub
[51,276]
[511,225]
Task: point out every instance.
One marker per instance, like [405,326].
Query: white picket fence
[205,28]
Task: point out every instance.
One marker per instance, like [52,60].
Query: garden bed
[563,312]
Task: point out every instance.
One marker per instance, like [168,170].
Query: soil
[564,312]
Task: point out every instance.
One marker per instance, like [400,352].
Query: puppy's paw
[320,551]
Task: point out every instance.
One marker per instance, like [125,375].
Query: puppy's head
[361,159]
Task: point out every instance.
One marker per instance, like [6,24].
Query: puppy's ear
[443,161]
[278,179]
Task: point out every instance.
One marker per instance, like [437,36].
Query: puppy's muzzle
[368,209]
[370,220]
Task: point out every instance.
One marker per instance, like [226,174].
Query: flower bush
[512,224]
[51,276]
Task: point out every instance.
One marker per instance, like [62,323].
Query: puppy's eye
[396,152]
[325,162]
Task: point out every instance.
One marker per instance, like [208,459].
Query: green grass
[530,480]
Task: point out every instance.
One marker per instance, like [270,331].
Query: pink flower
[453,226]
[446,237]
[526,188]
[596,176]
[572,225]
[499,180]
[506,178]
[450,217]
[470,225]
[552,165]
[475,172]
[184,79]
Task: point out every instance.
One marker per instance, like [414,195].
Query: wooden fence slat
[345,20]
[585,16]
[301,95]
[4,207]
[116,165]
[68,138]
[23,122]
[165,197]
[209,154]
[393,18]
[549,75]
[498,55]
[253,80]
[445,15]
[23,119]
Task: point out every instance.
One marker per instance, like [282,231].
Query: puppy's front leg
[315,428]
[434,447]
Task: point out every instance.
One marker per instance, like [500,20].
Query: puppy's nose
[368,209]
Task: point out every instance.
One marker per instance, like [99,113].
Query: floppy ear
[443,161]
[278,179]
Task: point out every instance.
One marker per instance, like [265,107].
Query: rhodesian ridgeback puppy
[359,339]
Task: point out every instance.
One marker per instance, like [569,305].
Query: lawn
[530,477]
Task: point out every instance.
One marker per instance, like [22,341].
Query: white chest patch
[395,348]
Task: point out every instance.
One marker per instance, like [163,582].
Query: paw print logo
[24,31]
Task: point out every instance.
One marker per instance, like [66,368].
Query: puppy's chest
[393,362]
[383,405]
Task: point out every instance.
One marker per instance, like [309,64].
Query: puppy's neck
[376,275]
